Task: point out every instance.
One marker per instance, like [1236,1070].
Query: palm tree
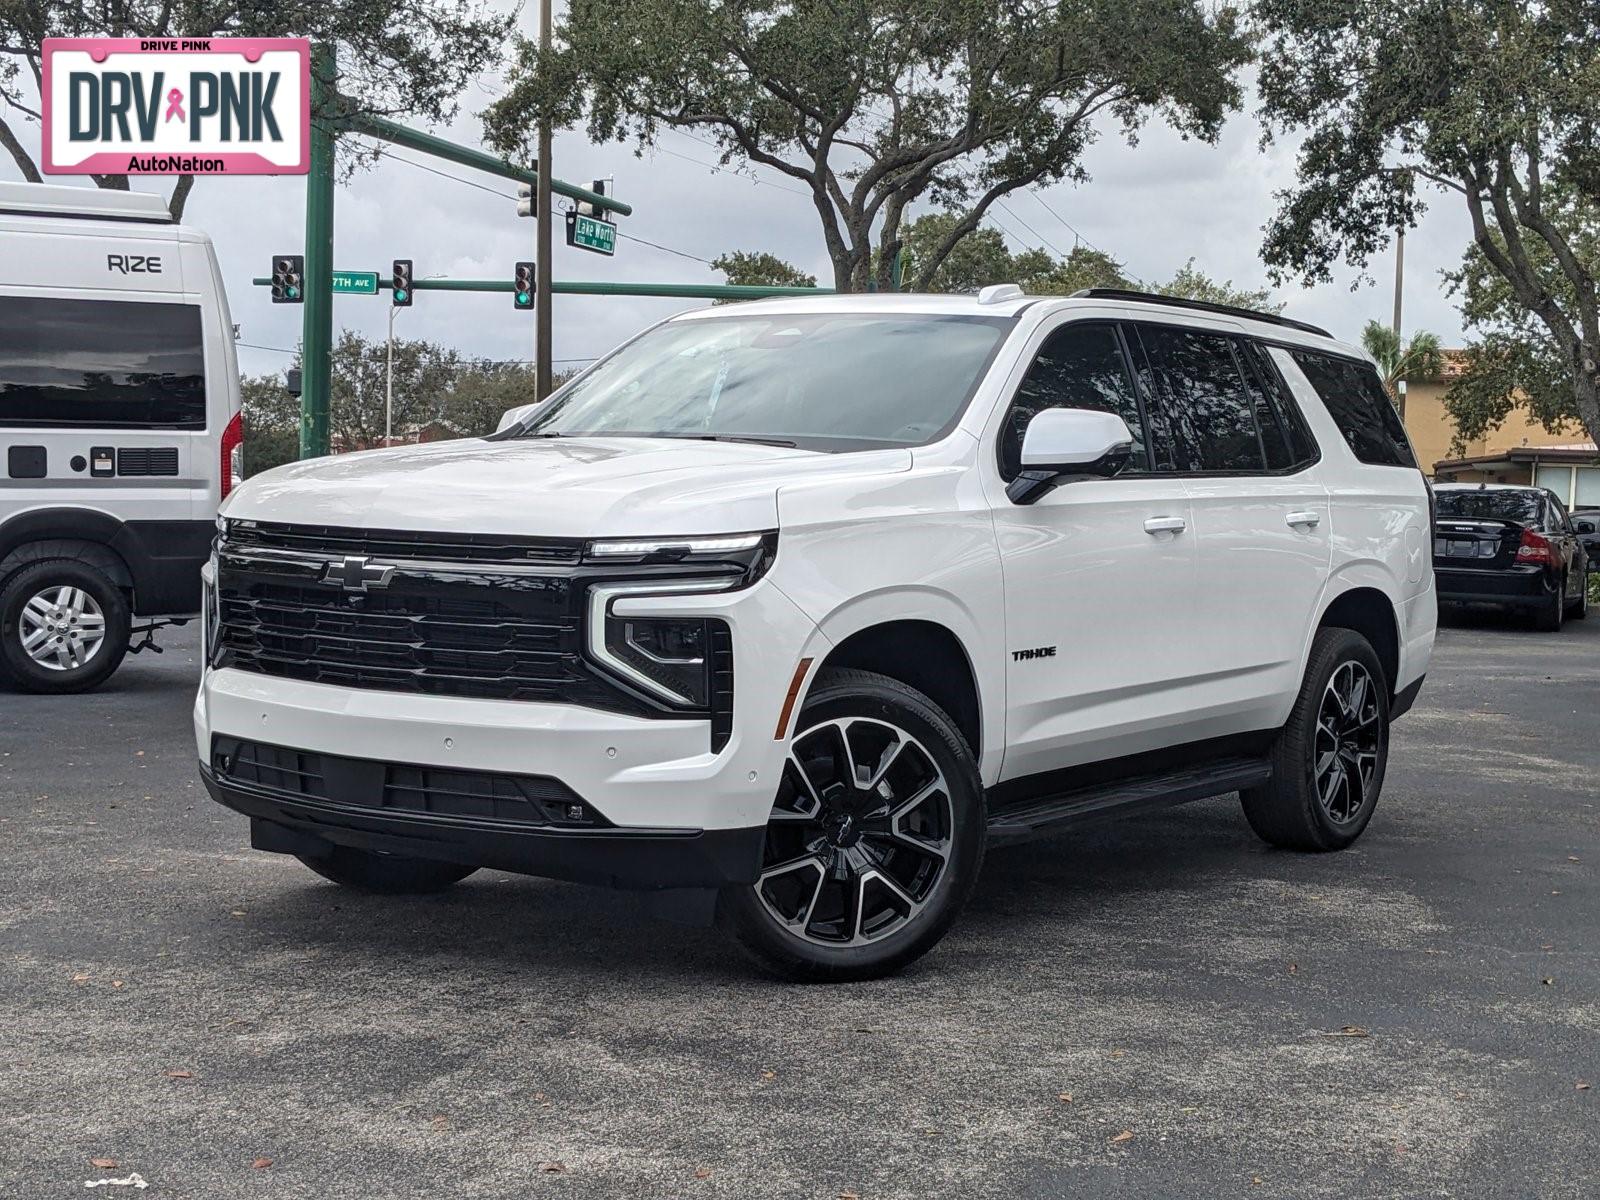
[1420,358]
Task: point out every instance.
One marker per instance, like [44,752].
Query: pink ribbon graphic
[175,105]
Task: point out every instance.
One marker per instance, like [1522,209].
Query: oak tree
[874,105]
[1495,104]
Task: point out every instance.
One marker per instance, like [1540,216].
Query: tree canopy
[397,57]
[1495,103]
[875,105]
[983,257]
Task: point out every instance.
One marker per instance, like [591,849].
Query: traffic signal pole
[316,330]
[543,363]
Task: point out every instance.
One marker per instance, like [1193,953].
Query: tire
[1297,809]
[1548,616]
[63,627]
[861,878]
[386,874]
[1579,608]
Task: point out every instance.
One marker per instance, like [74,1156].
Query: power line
[1065,222]
[386,153]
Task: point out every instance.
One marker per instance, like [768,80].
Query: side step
[1126,797]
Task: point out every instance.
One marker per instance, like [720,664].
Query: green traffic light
[522,297]
[400,294]
[293,292]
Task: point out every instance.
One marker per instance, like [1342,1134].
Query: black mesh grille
[336,541]
[392,787]
[721,685]
[158,460]
[465,644]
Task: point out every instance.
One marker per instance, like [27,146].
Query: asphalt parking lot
[1161,1007]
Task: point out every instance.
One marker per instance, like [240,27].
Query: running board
[1147,793]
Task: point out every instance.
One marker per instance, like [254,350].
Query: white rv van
[119,427]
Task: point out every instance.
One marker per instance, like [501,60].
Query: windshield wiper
[735,437]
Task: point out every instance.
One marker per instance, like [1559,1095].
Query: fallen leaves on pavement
[1125,1136]
[1348,1031]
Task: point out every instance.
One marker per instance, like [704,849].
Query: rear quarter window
[1354,397]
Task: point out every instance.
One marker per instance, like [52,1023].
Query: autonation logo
[171,106]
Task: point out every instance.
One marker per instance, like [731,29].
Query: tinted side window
[1284,434]
[1210,418]
[1079,366]
[100,364]
[1359,406]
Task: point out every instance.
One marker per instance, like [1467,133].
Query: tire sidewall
[1345,646]
[15,664]
[857,694]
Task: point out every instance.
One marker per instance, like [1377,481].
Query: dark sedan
[1512,547]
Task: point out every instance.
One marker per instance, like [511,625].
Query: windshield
[822,381]
[1522,507]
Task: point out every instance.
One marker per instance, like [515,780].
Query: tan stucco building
[1520,451]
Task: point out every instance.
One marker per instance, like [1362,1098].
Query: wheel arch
[85,534]
[1367,609]
[924,642]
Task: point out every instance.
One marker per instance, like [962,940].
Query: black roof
[1227,310]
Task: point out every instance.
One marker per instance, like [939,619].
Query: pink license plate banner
[177,106]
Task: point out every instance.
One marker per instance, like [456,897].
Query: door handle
[1165,525]
[1308,520]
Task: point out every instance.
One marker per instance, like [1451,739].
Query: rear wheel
[387,874]
[63,627]
[1552,609]
[1328,763]
[875,838]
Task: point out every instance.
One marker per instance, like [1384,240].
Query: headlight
[674,548]
[670,657]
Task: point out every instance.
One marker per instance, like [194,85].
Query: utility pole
[1399,275]
[388,386]
[1399,286]
[544,240]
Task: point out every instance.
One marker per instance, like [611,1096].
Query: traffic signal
[400,283]
[288,279]
[527,202]
[522,296]
[598,187]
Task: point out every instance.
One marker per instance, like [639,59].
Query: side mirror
[1062,444]
[512,415]
[1585,527]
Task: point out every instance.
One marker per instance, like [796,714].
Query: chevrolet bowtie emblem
[357,573]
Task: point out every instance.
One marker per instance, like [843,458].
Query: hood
[549,487]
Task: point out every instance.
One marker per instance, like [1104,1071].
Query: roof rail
[1226,310]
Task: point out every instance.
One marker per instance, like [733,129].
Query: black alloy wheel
[874,840]
[1348,741]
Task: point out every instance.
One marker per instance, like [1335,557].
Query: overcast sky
[1152,207]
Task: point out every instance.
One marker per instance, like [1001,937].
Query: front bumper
[650,859]
[674,812]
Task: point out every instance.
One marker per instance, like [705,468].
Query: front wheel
[1329,761]
[875,839]
[1579,608]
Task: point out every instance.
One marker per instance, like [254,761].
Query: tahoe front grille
[348,615]
[399,788]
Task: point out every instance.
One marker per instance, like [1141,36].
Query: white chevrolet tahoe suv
[787,611]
